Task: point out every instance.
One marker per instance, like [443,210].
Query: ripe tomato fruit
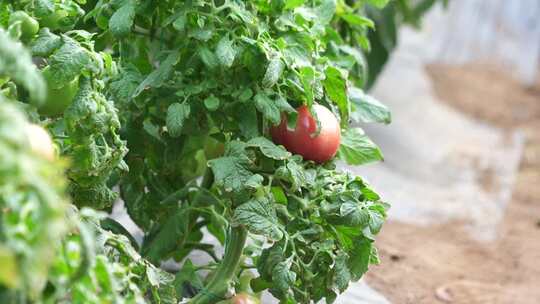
[304,139]
[58,99]
[29,25]
[40,141]
[244,298]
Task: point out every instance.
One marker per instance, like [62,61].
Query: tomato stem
[206,183]
[208,179]
[218,285]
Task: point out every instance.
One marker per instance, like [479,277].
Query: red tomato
[303,139]
[244,298]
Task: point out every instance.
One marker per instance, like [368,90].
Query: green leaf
[158,277]
[232,173]
[376,220]
[209,59]
[225,52]
[283,105]
[273,72]
[357,149]
[44,7]
[248,121]
[295,174]
[335,87]
[122,20]
[187,276]
[259,217]
[341,274]
[269,258]
[279,195]
[211,103]
[325,12]
[357,20]
[161,281]
[176,116]
[16,63]
[112,225]
[180,23]
[268,108]
[46,43]
[164,241]
[152,129]
[158,77]
[307,77]
[374,256]
[369,194]
[367,109]
[353,215]
[218,226]
[201,34]
[69,61]
[359,258]
[292,4]
[378,3]
[268,148]
[124,85]
[245,94]
[282,277]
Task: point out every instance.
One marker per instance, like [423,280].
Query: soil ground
[441,263]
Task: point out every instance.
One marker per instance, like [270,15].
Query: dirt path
[441,264]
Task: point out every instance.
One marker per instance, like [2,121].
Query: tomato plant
[306,139]
[168,107]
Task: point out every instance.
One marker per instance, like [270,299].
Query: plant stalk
[218,285]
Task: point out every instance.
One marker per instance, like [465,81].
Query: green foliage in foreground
[174,101]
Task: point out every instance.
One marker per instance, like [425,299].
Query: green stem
[218,285]
[206,183]
[208,179]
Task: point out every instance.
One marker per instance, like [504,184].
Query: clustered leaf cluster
[171,115]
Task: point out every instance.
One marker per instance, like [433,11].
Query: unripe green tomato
[29,25]
[58,99]
[52,21]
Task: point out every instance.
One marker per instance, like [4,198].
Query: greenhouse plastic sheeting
[503,32]
[439,165]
